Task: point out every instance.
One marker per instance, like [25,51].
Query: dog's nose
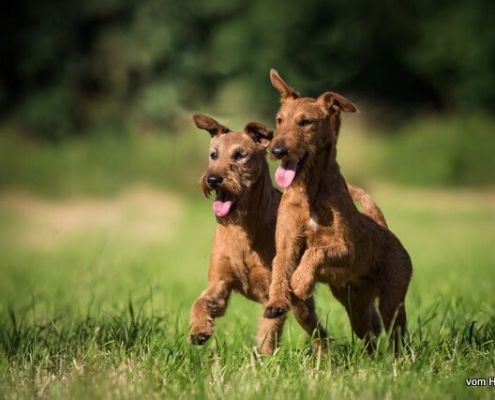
[214,181]
[280,151]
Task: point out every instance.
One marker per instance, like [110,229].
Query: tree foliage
[73,67]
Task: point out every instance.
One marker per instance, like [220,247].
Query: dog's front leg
[269,334]
[285,262]
[303,280]
[317,265]
[210,305]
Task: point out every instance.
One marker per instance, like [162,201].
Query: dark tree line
[75,67]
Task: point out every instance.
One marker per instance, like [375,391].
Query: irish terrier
[246,207]
[320,235]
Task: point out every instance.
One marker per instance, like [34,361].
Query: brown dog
[246,207]
[320,235]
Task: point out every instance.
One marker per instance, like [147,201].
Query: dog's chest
[320,220]
[253,276]
[313,222]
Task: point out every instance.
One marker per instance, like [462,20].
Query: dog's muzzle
[214,181]
[279,152]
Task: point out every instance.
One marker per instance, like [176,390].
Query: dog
[245,207]
[320,234]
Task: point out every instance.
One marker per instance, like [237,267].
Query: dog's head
[305,126]
[236,161]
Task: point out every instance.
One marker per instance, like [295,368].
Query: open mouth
[287,171]
[224,203]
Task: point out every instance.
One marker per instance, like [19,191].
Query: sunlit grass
[103,315]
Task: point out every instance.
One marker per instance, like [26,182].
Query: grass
[99,314]
[99,269]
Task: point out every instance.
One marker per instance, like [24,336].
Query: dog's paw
[275,310]
[264,349]
[302,292]
[199,338]
[302,286]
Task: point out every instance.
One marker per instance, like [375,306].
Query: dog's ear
[259,132]
[209,124]
[333,100]
[286,92]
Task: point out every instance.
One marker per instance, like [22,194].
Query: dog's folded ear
[209,124]
[259,132]
[286,92]
[334,100]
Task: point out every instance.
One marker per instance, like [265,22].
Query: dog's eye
[213,155]
[278,120]
[240,154]
[305,122]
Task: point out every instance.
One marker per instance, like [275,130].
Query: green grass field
[96,285]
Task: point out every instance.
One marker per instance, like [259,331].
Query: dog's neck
[254,227]
[323,169]
[322,186]
[260,198]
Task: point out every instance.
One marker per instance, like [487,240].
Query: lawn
[98,272]
[100,309]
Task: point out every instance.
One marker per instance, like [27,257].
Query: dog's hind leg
[360,307]
[394,319]
[270,333]
[305,314]
[394,283]
[210,305]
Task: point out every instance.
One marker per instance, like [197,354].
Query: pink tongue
[285,174]
[221,208]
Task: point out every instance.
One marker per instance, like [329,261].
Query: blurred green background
[422,73]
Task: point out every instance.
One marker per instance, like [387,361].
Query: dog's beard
[237,212]
[228,197]
[223,204]
[309,151]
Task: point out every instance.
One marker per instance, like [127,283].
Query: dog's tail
[368,206]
